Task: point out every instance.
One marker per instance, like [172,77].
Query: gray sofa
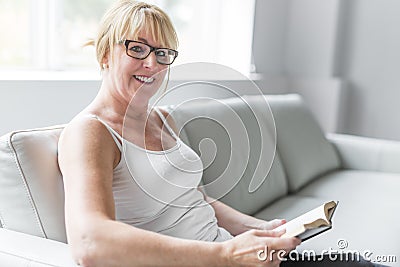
[236,138]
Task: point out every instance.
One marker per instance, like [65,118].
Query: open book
[311,223]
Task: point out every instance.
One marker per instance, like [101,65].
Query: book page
[313,218]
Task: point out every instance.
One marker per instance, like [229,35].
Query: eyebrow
[146,42]
[143,40]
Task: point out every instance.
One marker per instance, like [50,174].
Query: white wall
[269,38]
[369,60]
[311,34]
[40,103]
[296,37]
[296,44]
[29,104]
[356,41]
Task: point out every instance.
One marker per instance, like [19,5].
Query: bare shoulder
[85,136]
[84,129]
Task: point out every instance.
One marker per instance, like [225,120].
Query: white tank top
[157,190]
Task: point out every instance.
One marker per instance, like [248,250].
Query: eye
[136,48]
[161,53]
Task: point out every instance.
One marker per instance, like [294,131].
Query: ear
[104,63]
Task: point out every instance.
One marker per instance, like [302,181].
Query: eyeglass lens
[141,51]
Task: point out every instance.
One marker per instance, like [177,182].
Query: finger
[288,244]
[297,241]
[270,233]
[276,222]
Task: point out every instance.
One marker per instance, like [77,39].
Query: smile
[144,79]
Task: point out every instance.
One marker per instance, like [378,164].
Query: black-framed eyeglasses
[140,50]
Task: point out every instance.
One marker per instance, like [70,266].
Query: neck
[116,106]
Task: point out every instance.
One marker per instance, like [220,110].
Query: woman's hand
[259,248]
[270,225]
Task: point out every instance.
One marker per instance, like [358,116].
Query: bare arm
[236,222]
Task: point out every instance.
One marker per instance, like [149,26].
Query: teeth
[144,79]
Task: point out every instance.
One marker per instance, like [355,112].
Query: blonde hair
[126,18]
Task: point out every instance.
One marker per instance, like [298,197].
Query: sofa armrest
[364,153]
[23,250]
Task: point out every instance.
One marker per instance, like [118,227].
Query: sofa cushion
[302,145]
[366,217]
[31,187]
[368,203]
[23,250]
[236,141]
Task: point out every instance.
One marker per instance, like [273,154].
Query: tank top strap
[116,136]
[170,130]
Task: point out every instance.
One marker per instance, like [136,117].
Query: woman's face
[135,77]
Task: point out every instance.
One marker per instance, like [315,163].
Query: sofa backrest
[302,145]
[303,152]
[31,186]
[236,140]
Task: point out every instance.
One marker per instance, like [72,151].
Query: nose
[150,61]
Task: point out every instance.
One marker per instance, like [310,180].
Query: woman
[110,221]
